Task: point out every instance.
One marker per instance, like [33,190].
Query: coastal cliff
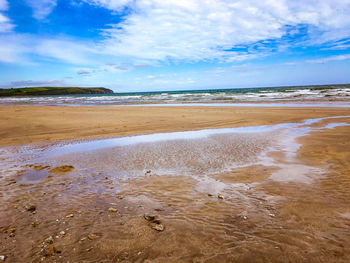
[39,91]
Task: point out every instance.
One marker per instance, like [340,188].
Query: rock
[30,208]
[12,230]
[2,258]
[113,210]
[120,197]
[49,240]
[92,236]
[62,233]
[158,227]
[210,195]
[156,221]
[149,217]
[15,206]
[272,215]
[35,223]
[70,215]
[220,196]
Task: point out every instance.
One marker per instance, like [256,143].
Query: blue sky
[149,45]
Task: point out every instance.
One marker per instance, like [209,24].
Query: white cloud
[68,51]
[5,23]
[41,8]
[3,5]
[197,30]
[330,58]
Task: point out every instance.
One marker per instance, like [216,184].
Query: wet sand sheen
[259,219]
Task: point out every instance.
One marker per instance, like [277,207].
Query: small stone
[220,196]
[92,236]
[2,258]
[272,215]
[35,223]
[83,239]
[120,197]
[156,221]
[49,240]
[89,249]
[70,215]
[210,195]
[50,251]
[12,230]
[15,206]
[149,217]
[158,227]
[62,233]
[30,208]
[245,217]
[112,210]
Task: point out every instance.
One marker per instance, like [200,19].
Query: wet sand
[258,220]
[27,124]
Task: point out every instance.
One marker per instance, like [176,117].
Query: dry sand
[260,220]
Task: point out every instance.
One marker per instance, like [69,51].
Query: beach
[175,184]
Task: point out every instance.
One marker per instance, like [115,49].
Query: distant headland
[38,91]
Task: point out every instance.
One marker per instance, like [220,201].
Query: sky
[150,45]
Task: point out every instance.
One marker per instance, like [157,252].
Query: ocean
[301,94]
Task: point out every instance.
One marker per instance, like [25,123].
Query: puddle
[32,176]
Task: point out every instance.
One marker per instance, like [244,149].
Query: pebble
[272,215]
[2,258]
[50,251]
[70,215]
[92,236]
[220,196]
[49,240]
[62,233]
[120,197]
[158,227]
[113,210]
[210,195]
[149,217]
[35,223]
[30,208]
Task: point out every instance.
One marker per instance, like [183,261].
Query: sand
[259,219]
[27,124]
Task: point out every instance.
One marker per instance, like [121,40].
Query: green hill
[39,91]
